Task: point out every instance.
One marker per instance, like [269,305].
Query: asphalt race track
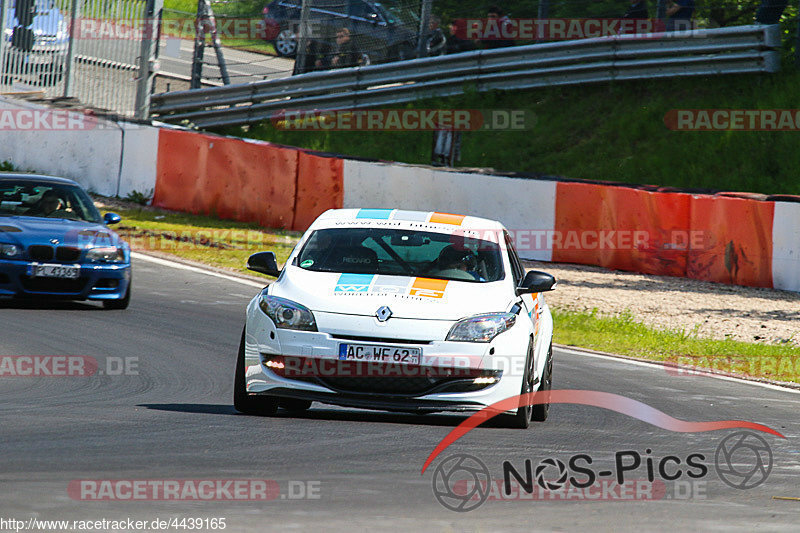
[169,416]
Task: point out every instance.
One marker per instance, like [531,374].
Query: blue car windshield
[46,200]
[402,253]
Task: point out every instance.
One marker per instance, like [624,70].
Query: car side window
[363,10]
[513,258]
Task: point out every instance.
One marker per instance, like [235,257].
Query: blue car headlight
[10,251]
[481,328]
[287,314]
[106,254]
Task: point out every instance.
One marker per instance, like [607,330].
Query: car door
[369,27]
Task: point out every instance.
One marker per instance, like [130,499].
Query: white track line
[181,266]
[661,367]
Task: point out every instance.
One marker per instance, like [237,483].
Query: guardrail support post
[424,25]
[661,9]
[147,58]
[70,61]
[2,41]
[302,39]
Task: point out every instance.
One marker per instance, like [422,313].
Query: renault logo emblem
[383,314]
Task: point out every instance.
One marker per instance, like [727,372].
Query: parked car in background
[382,31]
[36,44]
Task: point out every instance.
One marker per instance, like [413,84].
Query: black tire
[523,416]
[540,411]
[286,43]
[119,304]
[294,405]
[243,402]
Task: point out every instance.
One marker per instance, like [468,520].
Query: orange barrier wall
[738,241]
[231,178]
[621,228]
[319,188]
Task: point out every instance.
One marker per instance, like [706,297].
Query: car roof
[431,220]
[35,178]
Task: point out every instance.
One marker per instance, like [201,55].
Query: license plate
[54,271]
[379,354]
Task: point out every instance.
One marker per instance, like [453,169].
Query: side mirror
[111,218]
[536,281]
[265,263]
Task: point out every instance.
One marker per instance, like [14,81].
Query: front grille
[68,254]
[55,285]
[378,339]
[39,252]
[397,386]
[378,378]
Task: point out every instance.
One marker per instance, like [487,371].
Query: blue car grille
[68,254]
[38,252]
[53,285]
[64,254]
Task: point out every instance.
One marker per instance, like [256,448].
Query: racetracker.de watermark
[539,239]
[192,490]
[406,120]
[69,366]
[551,29]
[733,119]
[782,367]
[50,120]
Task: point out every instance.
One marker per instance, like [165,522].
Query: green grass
[220,243]
[624,336]
[186,9]
[605,131]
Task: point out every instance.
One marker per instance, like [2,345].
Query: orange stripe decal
[447,218]
[429,288]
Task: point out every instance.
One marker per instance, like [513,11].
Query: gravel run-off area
[713,310]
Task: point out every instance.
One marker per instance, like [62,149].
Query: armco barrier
[319,188]
[231,178]
[744,238]
[622,228]
[739,241]
[525,206]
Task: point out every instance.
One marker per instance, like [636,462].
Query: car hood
[25,231]
[406,297]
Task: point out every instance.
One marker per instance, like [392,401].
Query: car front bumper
[451,376]
[96,282]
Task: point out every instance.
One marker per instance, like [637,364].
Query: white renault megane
[400,311]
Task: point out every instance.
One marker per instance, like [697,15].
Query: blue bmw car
[55,245]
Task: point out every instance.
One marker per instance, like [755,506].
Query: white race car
[399,311]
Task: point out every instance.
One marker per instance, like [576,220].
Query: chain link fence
[99,51]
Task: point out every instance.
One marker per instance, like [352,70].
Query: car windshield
[402,253]
[394,11]
[46,200]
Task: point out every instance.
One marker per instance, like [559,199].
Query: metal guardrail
[731,50]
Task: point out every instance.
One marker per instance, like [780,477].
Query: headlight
[287,314]
[9,250]
[109,254]
[481,328]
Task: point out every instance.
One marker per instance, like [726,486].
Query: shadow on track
[434,419]
[55,305]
